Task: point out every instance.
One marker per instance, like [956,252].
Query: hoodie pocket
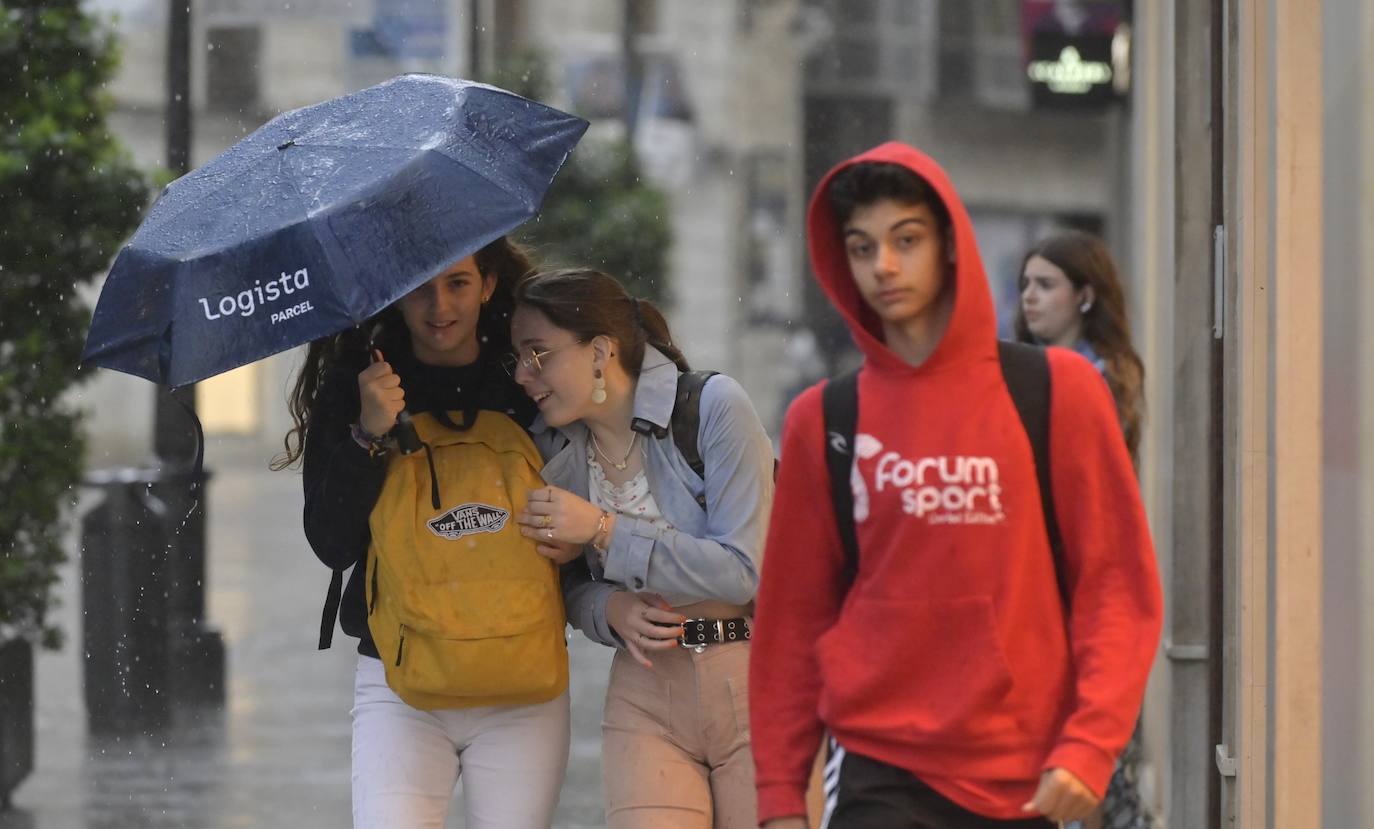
[933,670]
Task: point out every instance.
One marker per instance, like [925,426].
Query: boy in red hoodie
[965,678]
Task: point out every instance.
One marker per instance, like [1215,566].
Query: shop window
[232,74]
[981,54]
[874,47]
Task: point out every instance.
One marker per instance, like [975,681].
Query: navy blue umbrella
[321,218]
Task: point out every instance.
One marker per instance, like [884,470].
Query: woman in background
[1071,296]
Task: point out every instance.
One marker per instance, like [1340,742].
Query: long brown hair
[1084,259]
[589,304]
[502,258]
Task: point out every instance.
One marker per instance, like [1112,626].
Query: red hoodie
[951,655]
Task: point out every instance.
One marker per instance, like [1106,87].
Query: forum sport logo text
[939,489]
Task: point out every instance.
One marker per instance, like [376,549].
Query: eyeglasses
[514,362]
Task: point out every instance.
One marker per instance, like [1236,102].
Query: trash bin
[124,600]
[16,716]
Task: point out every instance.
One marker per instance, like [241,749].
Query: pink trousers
[676,741]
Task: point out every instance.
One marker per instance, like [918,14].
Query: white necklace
[622,465]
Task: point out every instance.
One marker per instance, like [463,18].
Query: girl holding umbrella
[432,351]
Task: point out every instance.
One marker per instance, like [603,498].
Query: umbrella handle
[407,439]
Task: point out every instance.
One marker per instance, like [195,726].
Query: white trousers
[406,762]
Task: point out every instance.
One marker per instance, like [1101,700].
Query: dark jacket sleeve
[341,481]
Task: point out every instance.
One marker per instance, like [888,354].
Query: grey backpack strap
[686,421]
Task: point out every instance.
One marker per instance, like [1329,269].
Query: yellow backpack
[462,609]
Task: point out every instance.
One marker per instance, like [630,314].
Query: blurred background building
[1225,149]
[740,107]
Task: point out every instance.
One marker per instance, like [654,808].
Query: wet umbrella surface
[321,218]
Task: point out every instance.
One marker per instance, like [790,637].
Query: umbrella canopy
[320,219]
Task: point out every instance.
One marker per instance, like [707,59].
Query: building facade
[1234,177]
[742,107]
[1254,160]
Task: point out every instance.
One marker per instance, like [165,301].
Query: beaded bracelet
[601,533]
[374,444]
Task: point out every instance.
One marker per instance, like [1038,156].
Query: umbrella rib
[431,150]
[311,145]
[498,185]
[328,247]
[166,220]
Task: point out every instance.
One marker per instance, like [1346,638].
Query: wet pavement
[277,754]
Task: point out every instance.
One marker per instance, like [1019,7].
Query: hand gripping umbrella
[320,219]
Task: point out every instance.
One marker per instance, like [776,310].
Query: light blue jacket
[714,554]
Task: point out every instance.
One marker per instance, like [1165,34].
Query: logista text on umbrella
[248,301]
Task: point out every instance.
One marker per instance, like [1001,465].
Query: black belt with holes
[698,633]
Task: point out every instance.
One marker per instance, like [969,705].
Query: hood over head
[972,330]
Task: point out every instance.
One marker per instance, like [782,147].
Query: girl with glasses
[659,561]
[434,351]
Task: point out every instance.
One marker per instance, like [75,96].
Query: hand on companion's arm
[556,515]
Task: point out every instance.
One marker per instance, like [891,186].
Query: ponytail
[655,327]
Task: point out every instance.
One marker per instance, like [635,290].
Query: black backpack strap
[686,420]
[331,610]
[1026,372]
[840,410]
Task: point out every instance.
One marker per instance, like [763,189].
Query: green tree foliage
[600,212]
[69,195]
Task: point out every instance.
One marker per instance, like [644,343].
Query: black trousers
[862,793]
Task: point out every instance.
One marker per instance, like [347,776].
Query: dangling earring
[1085,307]
[598,387]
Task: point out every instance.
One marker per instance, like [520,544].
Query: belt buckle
[682,640]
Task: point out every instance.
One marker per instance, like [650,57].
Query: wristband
[374,444]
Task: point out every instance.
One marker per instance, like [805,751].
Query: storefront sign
[1069,74]
[1077,56]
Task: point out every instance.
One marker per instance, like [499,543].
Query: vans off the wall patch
[468,519]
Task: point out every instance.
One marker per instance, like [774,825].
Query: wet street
[277,755]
